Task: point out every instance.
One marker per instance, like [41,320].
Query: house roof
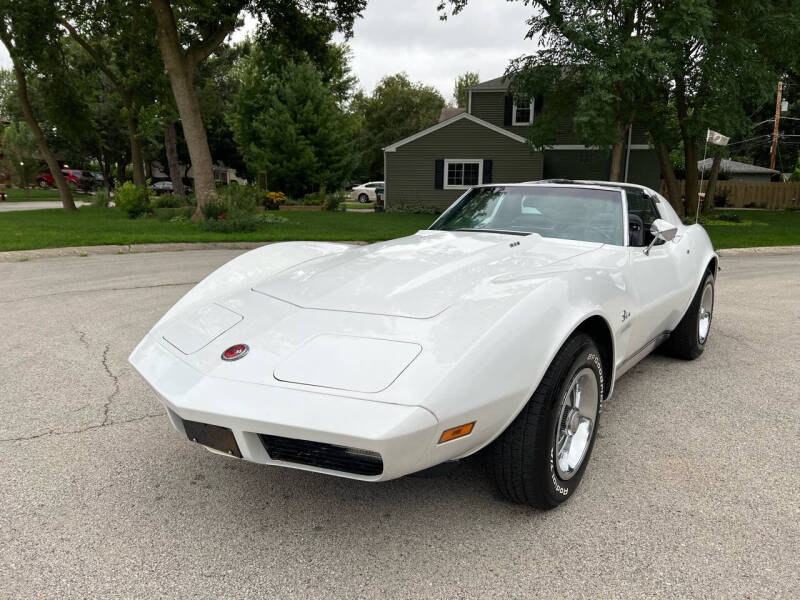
[450,121]
[493,85]
[450,111]
[733,167]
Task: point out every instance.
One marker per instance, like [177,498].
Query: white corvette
[505,324]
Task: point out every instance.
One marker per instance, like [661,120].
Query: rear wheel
[540,458]
[690,336]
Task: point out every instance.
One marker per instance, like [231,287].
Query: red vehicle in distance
[77,178]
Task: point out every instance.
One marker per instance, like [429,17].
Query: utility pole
[775,128]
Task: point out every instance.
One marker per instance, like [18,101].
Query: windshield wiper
[503,231]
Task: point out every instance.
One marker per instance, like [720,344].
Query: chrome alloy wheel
[706,308]
[576,422]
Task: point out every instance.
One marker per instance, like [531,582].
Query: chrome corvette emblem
[625,315]
[235,352]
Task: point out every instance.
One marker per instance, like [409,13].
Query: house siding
[596,164]
[490,107]
[410,169]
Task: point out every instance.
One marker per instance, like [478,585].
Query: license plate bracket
[215,437]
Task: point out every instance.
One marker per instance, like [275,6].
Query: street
[693,489]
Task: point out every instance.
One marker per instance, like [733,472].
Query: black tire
[363,198]
[522,459]
[685,341]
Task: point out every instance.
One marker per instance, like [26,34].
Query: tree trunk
[711,189]
[673,188]
[173,164]
[121,172]
[692,188]
[615,172]
[136,148]
[180,71]
[64,190]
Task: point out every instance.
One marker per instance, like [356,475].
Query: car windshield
[571,213]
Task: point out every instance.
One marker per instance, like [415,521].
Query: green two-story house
[488,143]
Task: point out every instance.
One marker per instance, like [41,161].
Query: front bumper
[403,436]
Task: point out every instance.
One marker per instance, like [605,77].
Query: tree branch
[198,53]
[93,54]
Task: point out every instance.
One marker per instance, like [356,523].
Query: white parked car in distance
[504,326]
[366,192]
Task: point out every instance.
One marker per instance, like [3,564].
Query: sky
[407,35]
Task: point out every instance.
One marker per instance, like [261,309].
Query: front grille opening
[324,456]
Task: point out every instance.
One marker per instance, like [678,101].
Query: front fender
[498,374]
[249,268]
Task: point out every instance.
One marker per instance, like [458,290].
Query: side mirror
[661,230]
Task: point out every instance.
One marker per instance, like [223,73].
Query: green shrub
[334,200]
[170,201]
[100,199]
[238,198]
[132,199]
[416,209]
[215,210]
[239,222]
[314,199]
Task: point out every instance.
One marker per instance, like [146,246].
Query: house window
[461,173]
[522,114]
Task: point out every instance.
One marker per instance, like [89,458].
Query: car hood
[419,276]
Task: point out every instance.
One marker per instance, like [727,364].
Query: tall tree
[289,125]
[119,38]
[463,83]
[188,33]
[396,109]
[27,29]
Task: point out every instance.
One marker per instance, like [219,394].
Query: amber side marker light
[456,432]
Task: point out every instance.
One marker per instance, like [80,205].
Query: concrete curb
[25,255]
[760,250]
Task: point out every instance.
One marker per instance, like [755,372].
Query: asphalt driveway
[693,489]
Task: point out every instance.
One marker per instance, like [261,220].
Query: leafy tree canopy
[396,109]
[289,125]
[463,83]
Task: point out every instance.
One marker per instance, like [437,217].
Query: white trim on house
[450,121]
[514,121]
[473,161]
[582,147]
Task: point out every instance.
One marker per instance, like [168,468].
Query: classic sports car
[505,325]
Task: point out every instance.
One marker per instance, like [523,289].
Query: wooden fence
[751,194]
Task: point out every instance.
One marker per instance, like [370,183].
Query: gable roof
[450,121]
[450,111]
[498,84]
[731,166]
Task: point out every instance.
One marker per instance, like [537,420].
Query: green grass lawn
[757,228]
[90,226]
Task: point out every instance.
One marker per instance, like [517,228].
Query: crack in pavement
[86,291]
[114,379]
[53,432]
[106,421]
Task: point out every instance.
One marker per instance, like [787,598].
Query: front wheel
[690,336]
[363,198]
[540,458]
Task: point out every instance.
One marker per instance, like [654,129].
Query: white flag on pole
[714,137]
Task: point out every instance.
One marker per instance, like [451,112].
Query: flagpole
[702,172]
